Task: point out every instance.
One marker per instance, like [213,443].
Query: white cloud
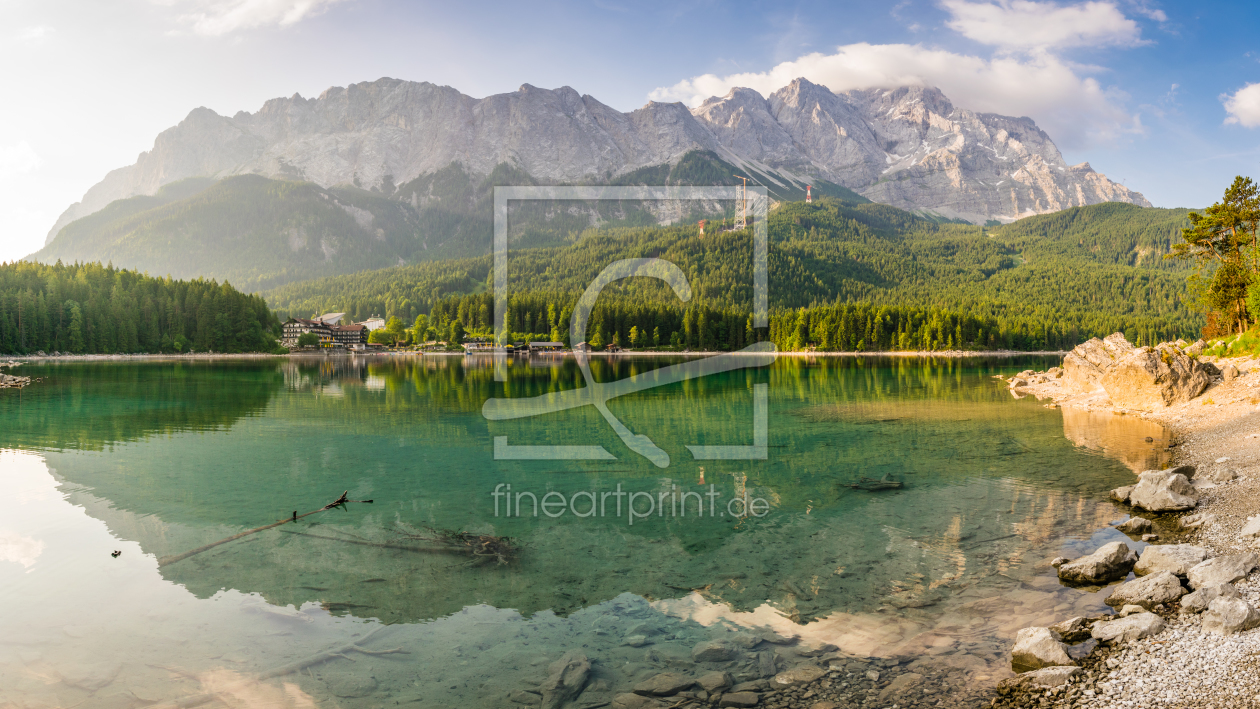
[18,159]
[18,549]
[1076,111]
[1025,25]
[214,18]
[1244,106]
[1144,9]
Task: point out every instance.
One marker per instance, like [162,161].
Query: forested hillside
[259,233]
[95,309]
[1045,282]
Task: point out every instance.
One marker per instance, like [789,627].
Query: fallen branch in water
[340,502]
[477,545]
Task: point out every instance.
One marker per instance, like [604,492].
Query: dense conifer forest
[89,308]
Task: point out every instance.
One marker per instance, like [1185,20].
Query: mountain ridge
[906,146]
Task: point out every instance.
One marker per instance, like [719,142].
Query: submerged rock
[714,651]
[666,684]
[1134,627]
[1173,558]
[1110,562]
[634,701]
[566,679]
[1222,570]
[1135,525]
[1198,601]
[739,699]
[1163,491]
[1227,615]
[803,674]
[1147,591]
[714,681]
[1036,648]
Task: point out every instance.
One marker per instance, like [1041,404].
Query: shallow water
[156,459]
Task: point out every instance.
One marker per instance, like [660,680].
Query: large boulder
[1147,591]
[1163,491]
[1150,378]
[1174,558]
[1198,601]
[1036,648]
[1222,570]
[1227,615]
[1109,563]
[1085,365]
[1134,627]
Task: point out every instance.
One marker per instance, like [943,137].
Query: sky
[1161,96]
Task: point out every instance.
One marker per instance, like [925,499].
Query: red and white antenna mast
[808,198]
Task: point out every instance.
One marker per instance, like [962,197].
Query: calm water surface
[159,458]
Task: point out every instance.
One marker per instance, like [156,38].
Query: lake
[472,571]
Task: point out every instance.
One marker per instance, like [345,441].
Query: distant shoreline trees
[95,309]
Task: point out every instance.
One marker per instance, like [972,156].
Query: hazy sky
[1164,97]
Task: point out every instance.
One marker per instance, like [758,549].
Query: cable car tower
[741,204]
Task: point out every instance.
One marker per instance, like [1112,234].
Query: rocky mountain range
[908,147]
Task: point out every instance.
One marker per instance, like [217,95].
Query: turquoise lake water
[154,459]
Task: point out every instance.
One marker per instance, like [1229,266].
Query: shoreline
[951,354]
[1184,665]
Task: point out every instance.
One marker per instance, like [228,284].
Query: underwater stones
[714,681]
[636,640]
[1225,615]
[1072,630]
[566,679]
[666,684]
[739,699]
[1134,627]
[90,676]
[1121,494]
[715,651]
[1147,591]
[521,696]
[1174,558]
[1110,562]
[1044,678]
[803,674]
[902,683]
[1135,525]
[1222,570]
[634,701]
[1163,491]
[352,686]
[1198,601]
[1036,648]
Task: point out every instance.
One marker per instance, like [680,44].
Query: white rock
[1226,615]
[1147,591]
[1044,678]
[1251,530]
[1110,562]
[1222,570]
[1198,601]
[1163,491]
[1036,648]
[1134,627]
[1174,558]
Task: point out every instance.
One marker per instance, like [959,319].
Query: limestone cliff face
[908,147]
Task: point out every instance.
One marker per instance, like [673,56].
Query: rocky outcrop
[566,679]
[1176,559]
[909,147]
[1122,630]
[1036,648]
[1110,562]
[1147,591]
[1163,491]
[1225,615]
[1150,378]
[1141,378]
[1222,570]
